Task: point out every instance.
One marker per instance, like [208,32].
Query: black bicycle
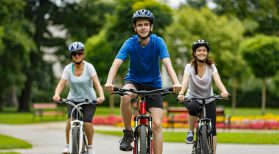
[143,140]
[203,143]
[78,140]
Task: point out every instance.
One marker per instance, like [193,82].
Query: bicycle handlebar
[212,98]
[121,91]
[79,102]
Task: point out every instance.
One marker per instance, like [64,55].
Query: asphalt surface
[49,138]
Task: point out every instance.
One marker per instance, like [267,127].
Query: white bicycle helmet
[76,46]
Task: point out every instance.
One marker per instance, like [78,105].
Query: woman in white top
[197,81]
[81,77]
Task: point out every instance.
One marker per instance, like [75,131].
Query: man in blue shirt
[144,50]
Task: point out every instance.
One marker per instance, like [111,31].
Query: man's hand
[109,87]
[176,88]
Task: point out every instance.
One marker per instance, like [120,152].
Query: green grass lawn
[223,137]
[8,142]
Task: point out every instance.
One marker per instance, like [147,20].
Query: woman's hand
[100,100]
[56,98]
[181,97]
[224,94]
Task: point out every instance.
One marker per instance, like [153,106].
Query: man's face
[143,27]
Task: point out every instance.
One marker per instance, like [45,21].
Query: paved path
[48,138]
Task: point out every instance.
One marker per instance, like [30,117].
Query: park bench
[47,109]
[222,120]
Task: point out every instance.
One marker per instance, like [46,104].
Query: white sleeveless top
[81,87]
[200,86]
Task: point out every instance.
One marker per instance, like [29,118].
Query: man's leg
[157,117]
[126,112]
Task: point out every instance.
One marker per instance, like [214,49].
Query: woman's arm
[220,85]
[59,88]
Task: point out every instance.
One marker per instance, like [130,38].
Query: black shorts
[210,113]
[88,111]
[153,100]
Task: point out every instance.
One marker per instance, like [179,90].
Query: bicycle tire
[204,140]
[143,140]
[75,140]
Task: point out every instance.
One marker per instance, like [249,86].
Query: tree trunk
[263,96]
[25,95]
[12,97]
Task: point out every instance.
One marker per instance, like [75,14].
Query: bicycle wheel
[142,144]
[204,140]
[75,140]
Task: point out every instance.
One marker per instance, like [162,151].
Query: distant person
[144,51]
[197,78]
[81,76]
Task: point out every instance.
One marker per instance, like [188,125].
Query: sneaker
[190,137]
[125,142]
[90,149]
[66,150]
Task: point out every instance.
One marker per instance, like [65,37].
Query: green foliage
[264,14]
[262,54]
[99,51]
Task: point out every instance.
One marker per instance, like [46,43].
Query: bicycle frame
[139,121]
[143,122]
[77,128]
[204,138]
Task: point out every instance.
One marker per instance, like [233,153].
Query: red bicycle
[143,140]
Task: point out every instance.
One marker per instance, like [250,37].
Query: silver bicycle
[78,141]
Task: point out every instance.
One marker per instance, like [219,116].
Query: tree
[259,16]
[262,54]
[15,45]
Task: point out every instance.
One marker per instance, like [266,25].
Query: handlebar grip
[116,89]
[170,89]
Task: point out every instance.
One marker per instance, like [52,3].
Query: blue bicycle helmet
[76,47]
[143,14]
[199,43]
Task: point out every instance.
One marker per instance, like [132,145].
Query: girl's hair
[194,62]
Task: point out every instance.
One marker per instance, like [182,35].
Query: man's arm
[112,72]
[176,84]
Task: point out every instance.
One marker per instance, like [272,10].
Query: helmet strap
[141,39]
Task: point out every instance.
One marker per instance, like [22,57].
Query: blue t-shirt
[144,61]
